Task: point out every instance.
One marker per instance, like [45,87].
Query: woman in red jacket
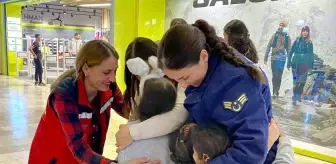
[73,128]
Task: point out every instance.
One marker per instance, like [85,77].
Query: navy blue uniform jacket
[230,96]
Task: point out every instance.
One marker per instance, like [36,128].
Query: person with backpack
[279,46]
[301,61]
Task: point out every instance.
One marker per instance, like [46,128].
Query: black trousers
[38,70]
[277,71]
[300,75]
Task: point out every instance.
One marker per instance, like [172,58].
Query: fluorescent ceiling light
[96,5]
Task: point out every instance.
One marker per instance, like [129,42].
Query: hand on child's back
[123,137]
[273,133]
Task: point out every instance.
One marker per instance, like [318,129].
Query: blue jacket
[229,96]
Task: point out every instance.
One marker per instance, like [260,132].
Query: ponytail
[68,73]
[225,52]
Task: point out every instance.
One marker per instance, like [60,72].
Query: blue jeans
[278,65]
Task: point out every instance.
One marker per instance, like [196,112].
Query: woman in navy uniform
[223,87]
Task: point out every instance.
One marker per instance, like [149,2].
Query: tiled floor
[22,104]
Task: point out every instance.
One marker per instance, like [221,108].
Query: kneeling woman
[74,126]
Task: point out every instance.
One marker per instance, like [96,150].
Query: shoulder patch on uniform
[237,105]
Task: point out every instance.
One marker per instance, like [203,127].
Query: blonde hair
[284,22]
[92,53]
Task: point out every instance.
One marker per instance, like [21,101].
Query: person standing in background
[35,50]
[280,44]
[301,62]
[237,36]
[76,44]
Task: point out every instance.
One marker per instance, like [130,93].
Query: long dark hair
[142,48]
[181,45]
[306,28]
[158,97]
[239,38]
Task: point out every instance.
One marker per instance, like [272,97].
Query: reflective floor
[22,104]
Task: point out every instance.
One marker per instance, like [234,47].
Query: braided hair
[182,44]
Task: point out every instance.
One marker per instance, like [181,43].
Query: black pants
[277,71]
[300,75]
[38,70]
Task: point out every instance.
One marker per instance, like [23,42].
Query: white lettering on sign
[85,115]
[32,17]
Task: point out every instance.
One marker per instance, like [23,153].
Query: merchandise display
[57,24]
[56,57]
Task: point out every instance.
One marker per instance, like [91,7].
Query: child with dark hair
[140,59]
[209,142]
[177,21]
[158,96]
[202,143]
[153,102]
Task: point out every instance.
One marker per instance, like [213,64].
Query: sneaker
[41,84]
[36,83]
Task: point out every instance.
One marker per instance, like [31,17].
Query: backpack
[275,40]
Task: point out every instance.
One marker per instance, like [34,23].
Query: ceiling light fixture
[96,5]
